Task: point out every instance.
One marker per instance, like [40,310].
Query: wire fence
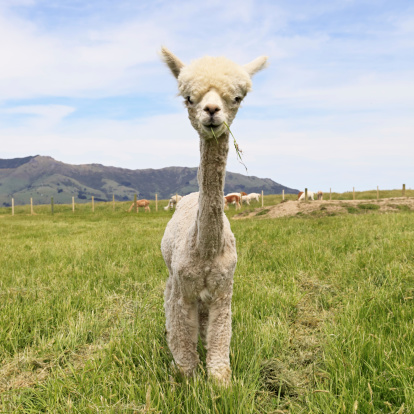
[147,206]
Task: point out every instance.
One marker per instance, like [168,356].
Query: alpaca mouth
[212,126]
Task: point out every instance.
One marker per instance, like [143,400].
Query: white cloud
[98,61]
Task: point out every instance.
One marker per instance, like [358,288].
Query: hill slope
[41,177]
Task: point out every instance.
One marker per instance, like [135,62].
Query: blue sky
[82,81]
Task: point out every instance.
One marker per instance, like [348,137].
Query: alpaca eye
[237,99]
[188,100]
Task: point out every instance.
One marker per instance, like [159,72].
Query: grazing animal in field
[198,246]
[232,199]
[301,195]
[243,193]
[238,194]
[254,196]
[320,195]
[245,199]
[141,203]
[173,202]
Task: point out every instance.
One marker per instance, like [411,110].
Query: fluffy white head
[212,88]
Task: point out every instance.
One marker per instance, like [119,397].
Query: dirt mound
[329,207]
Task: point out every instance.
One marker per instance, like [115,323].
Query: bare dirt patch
[320,208]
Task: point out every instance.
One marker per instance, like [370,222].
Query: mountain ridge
[40,177]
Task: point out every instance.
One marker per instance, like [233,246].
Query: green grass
[352,210]
[322,315]
[368,206]
[368,195]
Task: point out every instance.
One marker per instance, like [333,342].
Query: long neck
[211,174]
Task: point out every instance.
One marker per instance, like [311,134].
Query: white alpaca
[301,195]
[254,196]
[198,246]
[173,202]
[246,200]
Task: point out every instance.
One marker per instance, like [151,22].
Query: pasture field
[323,315]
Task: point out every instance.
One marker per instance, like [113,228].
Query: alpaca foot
[183,371]
[221,374]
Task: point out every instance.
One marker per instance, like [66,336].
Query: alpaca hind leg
[182,331]
[218,341]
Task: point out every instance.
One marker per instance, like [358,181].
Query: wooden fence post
[403,190]
[156,201]
[262,200]
[377,193]
[353,193]
[283,194]
[12,206]
[306,195]
[330,194]
[73,204]
[93,204]
[113,202]
[52,205]
[31,206]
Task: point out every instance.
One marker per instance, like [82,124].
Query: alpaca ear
[256,65]
[172,61]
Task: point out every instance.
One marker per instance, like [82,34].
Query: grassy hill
[41,177]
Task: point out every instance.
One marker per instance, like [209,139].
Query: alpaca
[232,199]
[173,202]
[301,195]
[237,194]
[320,195]
[254,196]
[198,246]
[140,203]
[245,199]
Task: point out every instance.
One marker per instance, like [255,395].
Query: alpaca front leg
[182,332]
[218,341]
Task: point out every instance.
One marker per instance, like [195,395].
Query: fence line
[135,203]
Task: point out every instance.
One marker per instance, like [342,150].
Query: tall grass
[322,316]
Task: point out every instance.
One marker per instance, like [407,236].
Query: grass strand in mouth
[214,135]
[238,150]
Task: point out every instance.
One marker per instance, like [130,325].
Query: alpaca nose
[212,109]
